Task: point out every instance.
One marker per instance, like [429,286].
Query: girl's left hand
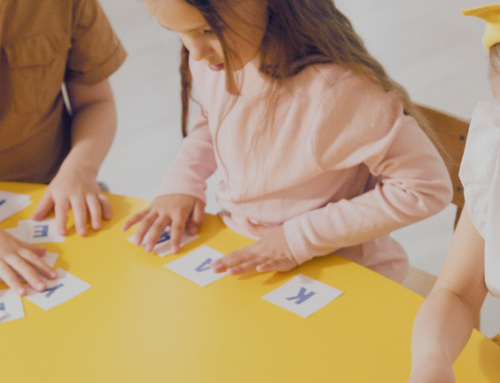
[270,253]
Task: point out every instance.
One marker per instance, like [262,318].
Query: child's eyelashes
[208,32]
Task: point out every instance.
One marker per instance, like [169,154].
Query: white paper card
[162,247]
[11,306]
[302,295]
[50,258]
[18,232]
[11,203]
[65,287]
[195,266]
[41,231]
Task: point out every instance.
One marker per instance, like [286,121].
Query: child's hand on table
[270,253]
[17,257]
[77,189]
[180,211]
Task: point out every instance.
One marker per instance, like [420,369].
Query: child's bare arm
[445,321]
[75,186]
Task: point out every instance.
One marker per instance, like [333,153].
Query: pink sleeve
[193,165]
[360,125]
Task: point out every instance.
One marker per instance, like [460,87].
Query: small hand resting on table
[270,253]
[21,258]
[75,188]
[180,211]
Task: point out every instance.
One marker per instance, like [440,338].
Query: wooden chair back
[451,133]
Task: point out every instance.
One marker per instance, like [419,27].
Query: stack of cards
[162,247]
[36,231]
[11,203]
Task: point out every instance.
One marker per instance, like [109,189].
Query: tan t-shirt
[44,43]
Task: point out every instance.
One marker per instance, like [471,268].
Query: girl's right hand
[21,258]
[180,211]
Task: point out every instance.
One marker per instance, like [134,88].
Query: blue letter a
[204,266]
[52,289]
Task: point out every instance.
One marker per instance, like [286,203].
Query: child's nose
[200,53]
[198,50]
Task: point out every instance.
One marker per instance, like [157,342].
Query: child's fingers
[245,267]
[155,231]
[38,263]
[280,264]
[177,228]
[10,278]
[134,219]
[79,207]
[26,271]
[229,261]
[44,207]
[196,220]
[106,206]
[95,211]
[146,222]
[61,210]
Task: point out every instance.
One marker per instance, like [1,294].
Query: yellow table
[142,323]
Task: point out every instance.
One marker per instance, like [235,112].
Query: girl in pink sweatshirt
[320,151]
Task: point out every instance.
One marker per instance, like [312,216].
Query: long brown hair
[297,30]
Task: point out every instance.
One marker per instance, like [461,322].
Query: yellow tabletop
[143,323]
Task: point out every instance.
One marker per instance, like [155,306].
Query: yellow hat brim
[490,14]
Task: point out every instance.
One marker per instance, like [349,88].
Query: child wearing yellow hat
[445,320]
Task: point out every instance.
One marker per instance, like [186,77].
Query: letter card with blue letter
[195,266]
[40,231]
[11,203]
[65,287]
[303,295]
[162,247]
[11,306]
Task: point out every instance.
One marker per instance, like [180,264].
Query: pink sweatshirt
[334,132]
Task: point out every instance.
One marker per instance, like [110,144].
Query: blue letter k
[301,296]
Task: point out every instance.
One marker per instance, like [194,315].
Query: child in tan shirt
[44,44]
